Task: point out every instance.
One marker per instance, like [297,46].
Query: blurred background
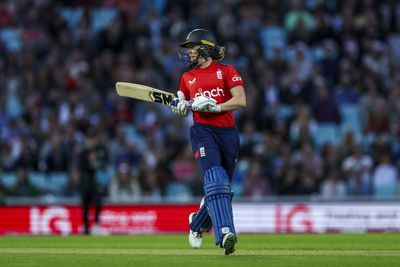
[322,79]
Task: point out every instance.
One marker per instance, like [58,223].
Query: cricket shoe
[98,230]
[195,238]
[228,243]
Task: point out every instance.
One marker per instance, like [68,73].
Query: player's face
[192,53]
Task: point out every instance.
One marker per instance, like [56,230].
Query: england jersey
[215,81]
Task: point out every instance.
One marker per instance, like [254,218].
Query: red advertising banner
[66,220]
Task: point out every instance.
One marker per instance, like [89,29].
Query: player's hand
[205,104]
[180,105]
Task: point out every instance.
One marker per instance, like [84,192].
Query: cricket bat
[144,93]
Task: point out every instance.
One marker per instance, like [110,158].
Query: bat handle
[175,102]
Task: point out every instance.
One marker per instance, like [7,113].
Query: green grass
[173,250]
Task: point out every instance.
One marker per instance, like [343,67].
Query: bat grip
[175,102]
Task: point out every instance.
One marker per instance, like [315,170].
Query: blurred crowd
[322,79]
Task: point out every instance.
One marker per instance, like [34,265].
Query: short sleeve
[233,77]
[183,88]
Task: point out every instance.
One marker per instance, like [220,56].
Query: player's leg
[230,154]
[204,151]
[199,221]
[97,205]
[85,198]
[218,198]
[229,151]
[97,199]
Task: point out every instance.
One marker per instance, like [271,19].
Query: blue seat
[134,136]
[178,191]
[39,180]
[71,16]
[349,112]
[351,120]
[11,38]
[327,133]
[101,18]
[9,179]
[285,111]
[58,181]
[270,37]
[14,106]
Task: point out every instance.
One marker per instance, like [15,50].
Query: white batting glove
[205,104]
[182,106]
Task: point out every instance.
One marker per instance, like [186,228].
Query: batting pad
[218,199]
[201,221]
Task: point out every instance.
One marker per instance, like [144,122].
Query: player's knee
[216,182]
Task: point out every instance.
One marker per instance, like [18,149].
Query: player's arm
[208,104]
[237,101]
[180,105]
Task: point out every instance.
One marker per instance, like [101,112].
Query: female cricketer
[212,91]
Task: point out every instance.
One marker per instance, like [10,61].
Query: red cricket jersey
[214,81]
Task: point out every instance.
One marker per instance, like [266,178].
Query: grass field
[173,250]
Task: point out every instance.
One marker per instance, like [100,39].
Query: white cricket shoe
[98,230]
[228,243]
[195,238]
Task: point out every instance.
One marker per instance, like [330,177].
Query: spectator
[23,187]
[298,22]
[256,183]
[289,181]
[54,155]
[309,160]
[325,110]
[124,186]
[333,187]
[357,170]
[303,127]
[385,178]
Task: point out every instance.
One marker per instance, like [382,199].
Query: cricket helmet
[207,42]
[199,37]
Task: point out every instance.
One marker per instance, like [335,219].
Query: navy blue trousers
[214,146]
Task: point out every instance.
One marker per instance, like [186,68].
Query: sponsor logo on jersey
[236,78]
[219,74]
[212,93]
[192,81]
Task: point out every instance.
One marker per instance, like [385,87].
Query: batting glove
[205,104]
[181,108]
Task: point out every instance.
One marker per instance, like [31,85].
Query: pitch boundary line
[201,252]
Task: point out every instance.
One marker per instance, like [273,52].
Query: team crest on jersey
[202,152]
[219,74]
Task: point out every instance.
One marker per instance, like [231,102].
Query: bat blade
[144,93]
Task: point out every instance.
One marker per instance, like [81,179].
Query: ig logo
[52,220]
